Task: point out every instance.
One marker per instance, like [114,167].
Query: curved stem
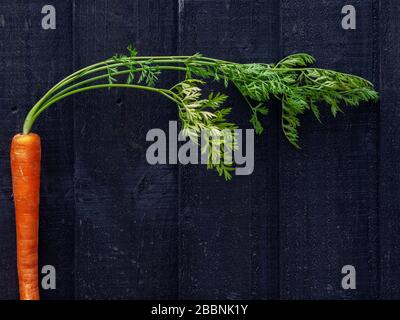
[104,65]
[30,119]
[76,85]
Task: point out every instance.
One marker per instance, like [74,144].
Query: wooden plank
[33,59]
[328,190]
[126,210]
[228,230]
[389,170]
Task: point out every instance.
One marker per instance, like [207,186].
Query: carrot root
[25,171]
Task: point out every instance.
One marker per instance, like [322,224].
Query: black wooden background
[117,228]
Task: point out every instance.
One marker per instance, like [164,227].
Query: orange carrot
[25,171]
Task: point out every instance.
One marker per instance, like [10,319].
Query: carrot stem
[31,119]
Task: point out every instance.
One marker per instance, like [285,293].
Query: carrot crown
[293,81]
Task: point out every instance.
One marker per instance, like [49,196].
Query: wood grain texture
[389,170]
[32,59]
[228,230]
[126,209]
[117,228]
[328,190]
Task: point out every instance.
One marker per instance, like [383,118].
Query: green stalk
[114,74]
[30,119]
[97,67]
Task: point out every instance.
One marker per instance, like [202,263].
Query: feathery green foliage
[294,81]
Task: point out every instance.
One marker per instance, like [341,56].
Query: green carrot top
[293,81]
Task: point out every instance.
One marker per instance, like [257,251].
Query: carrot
[25,171]
[141,73]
